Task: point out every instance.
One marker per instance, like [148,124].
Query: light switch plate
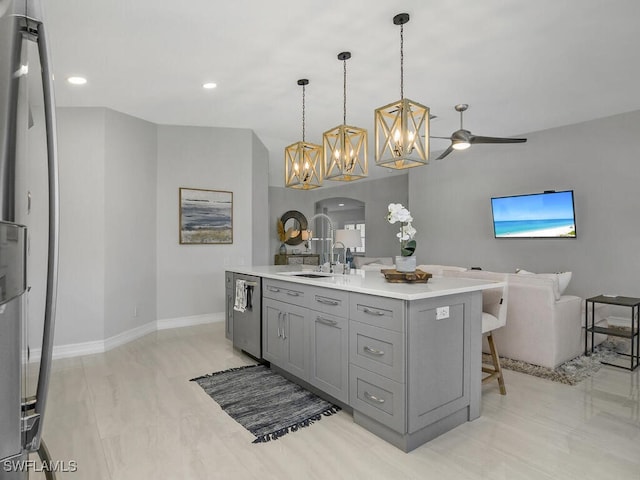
[442,313]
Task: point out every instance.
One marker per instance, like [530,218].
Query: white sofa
[372,263]
[544,327]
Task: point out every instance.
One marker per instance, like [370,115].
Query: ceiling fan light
[460,145]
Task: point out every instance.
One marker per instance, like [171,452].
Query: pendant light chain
[344,97]
[303,118]
[401,62]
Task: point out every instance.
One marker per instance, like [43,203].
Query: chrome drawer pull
[326,321]
[273,289]
[373,351]
[372,312]
[326,301]
[293,294]
[279,322]
[373,398]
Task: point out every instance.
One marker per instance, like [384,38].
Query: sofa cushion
[376,266]
[439,269]
[560,280]
[359,261]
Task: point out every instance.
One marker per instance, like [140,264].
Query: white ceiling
[522,65]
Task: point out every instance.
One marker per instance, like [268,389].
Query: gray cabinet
[285,336]
[330,355]
[377,359]
[287,292]
[440,382]
[410,365]
[329,347]
[306,332]
[409,369]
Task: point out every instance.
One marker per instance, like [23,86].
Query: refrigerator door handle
[52,265]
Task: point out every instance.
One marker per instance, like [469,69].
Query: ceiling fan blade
[444,138]
[478,139]
[445,153]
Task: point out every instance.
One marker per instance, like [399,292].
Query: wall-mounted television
[538,215]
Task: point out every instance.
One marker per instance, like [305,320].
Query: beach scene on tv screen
[545,215]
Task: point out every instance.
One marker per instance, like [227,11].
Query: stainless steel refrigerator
[28,280]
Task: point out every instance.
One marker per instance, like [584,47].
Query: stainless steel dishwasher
[247,318]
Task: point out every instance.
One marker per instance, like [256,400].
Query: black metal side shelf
[633,334]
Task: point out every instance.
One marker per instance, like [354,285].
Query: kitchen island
[406,358]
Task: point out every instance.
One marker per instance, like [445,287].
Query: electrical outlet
[442,313]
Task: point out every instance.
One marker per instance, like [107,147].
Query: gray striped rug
[264,402]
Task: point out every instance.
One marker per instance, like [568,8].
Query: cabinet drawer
[377,349]
[379,311]
[378,397]
[335,302]
[288,292]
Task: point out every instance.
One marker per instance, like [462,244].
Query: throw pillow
[560,280]
[563,281]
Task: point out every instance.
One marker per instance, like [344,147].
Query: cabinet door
[295,345]
[330,355]
[439,381]
[272,326]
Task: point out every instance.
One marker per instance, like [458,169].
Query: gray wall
[81,287]
[107,224]
[190,278]
[376,195]
[119,179]
[450,200]
[130,223]
[121,265]
[260,202]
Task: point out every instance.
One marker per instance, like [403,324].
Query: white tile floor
[132,413]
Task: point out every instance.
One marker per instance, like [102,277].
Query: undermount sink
[307,274]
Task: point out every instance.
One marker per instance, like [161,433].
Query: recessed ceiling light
[209,85]
[77,80]
[341,204]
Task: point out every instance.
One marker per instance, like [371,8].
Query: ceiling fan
[463,139]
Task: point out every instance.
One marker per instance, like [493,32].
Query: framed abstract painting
[206,216]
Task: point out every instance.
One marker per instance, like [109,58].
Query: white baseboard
[125,337]
[180,322]
[101,346]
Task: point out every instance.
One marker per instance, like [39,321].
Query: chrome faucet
[331,236]
[346,268]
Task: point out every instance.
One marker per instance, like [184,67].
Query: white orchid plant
[398,213]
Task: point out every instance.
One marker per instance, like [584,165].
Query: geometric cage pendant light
[303,161]
[402,127]
[345,147]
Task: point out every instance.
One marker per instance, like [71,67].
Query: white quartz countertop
[370,282]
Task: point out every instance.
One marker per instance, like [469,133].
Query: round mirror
[294,224]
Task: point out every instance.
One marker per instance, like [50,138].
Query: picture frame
[206,216]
